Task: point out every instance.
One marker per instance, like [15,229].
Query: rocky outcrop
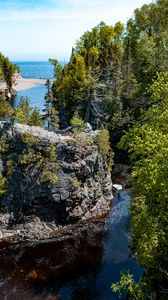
[121,175]
[5,93]
[35,211]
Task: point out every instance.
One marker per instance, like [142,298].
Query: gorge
[58,228]
[104,115]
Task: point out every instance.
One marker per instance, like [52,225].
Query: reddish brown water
[87,275]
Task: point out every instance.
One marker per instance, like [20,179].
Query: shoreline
[27,83]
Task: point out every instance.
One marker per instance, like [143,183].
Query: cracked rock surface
[83,192]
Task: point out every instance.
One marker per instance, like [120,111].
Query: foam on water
[120,208]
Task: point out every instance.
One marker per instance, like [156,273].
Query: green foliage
[35,118]
[159,88]
[10,167]
[3,185]
[147,144]
[77,123]
[102,141]
[110,69]
[50,115]
[128,285]
[4,144]
[29,155]
[24,106]
[24,114]
[57,68]
[42,160]
[50,166]
[7,70]
[76,183]
[82,140]
[5,109]
[20,117]
[90,64]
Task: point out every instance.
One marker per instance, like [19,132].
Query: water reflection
[89,273]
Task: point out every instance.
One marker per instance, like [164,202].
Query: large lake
[40,70]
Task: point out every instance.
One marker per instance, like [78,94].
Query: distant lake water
[34,69]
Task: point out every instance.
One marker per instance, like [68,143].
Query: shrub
[24,114]
[5,109]
[42,159]
[3,185]
[102,141]
[77,123]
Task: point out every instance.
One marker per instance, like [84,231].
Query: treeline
[117,77]
[111,69]
[7,70]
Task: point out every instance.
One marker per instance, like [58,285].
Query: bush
[102,141]
[5,109]
[3,185]
[77,123]
[24,114]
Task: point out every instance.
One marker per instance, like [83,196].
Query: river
[88,282]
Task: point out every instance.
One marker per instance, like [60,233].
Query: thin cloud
[54,29]
[92,9]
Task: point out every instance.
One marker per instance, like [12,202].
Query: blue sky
[38,29]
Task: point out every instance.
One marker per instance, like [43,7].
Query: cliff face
[5,93]
[37,207]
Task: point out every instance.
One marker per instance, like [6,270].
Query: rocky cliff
[5,92]
[55,183]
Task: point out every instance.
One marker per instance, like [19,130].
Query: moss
[76,183]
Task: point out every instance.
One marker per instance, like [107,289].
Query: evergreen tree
[27,115]
[50,115]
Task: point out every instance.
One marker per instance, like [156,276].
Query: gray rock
[117,187]
[88,127]
[33,210]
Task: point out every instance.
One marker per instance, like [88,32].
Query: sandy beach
[27,83]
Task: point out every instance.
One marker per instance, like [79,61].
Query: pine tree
[50,115]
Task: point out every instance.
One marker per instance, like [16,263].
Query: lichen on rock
[52,183]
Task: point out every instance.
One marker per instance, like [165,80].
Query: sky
[39,29]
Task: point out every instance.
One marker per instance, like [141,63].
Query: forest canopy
[117,77]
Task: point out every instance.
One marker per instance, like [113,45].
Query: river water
[116,257]
[83,282]
[90,282]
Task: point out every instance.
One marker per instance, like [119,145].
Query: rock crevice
[82,193]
